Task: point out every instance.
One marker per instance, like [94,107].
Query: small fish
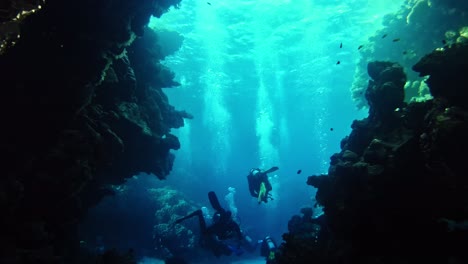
[208,3]
[341,45]
[331,128]
[338,62]
[384,35]
[360,47]
[405,52]
[299,171]
[444,42]
[396,40]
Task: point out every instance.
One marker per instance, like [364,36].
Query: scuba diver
[268,249]
[223,236]
[259,185]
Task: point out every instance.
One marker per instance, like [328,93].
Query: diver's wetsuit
[224,228]
[255,181]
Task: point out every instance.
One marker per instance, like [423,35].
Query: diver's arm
[253,192]
[251,186]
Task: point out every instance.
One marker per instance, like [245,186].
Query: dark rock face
[396,193]
[385,91]
[448,77]
[79,114]
[450,4]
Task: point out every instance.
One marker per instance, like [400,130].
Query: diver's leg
[201,221]
[214,201]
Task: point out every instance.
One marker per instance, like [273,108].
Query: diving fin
[214,201]
[272,169]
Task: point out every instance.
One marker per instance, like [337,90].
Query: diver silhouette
[223,236]
[259,185]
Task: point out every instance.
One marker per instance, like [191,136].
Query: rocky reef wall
[83,108]
[140,216]
[396,193]
[416,29]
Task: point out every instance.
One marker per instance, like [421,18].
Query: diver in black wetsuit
[224,236]
[259,185]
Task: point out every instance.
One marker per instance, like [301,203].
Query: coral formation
[420,26]
[137,207]
[397,179]
[446,68]
[385,92]
[173,240]
[79,118]
[307,237]
[12,14]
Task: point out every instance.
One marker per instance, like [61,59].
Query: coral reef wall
[416,29]
[142,213]
[396,193]
[83,108]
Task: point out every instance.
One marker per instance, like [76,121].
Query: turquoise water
[262,80]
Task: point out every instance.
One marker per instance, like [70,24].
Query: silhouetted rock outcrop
[79,114]
[397,191]
[448,77]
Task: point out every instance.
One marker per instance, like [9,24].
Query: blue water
[262,81]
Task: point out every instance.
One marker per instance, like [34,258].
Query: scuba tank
[268,248]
